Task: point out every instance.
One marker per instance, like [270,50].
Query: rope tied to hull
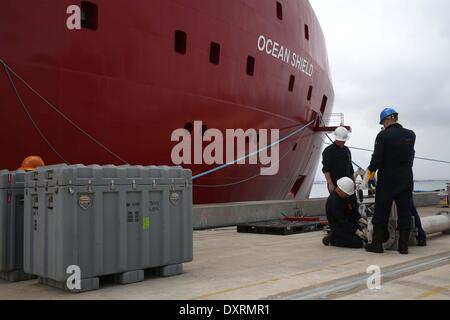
[226,165]
[241,181]
[30,117]
[10,72]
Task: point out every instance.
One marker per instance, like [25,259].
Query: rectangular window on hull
[310,93]
[306,32]
[89,15]
[291,83]
[180,42]
[250,65]
[279,11]
[324,104]
[314,117]
[214,54]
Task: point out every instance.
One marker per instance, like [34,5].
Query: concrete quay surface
[231,265]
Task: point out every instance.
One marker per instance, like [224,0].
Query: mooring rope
[30,117]
[10,71]
[228,164]
[239,182]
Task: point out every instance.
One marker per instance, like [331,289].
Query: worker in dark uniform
[337,160]
[344,220]
[393,158]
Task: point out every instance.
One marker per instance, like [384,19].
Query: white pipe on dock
[436,224]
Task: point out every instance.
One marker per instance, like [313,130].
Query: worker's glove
[363,223]
[369,180]
[365,181]
[361,235]
[372,181]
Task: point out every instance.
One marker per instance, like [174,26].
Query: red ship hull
[126,88]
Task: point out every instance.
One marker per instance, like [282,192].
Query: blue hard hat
[387,113]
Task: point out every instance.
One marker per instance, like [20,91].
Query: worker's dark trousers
[343,239]
[421,235]
[383,206]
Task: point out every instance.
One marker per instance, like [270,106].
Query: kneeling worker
[343,217]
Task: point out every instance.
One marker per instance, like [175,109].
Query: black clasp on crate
[35,202]
[50,175]
[50,203]
[70,189]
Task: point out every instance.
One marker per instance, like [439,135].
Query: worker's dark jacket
[394,158]
[338,162]
[343,217]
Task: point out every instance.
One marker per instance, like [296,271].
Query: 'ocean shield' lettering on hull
[280,52]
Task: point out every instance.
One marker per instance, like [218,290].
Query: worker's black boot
[326,240]
[377,241]
[403,241]
[422,242]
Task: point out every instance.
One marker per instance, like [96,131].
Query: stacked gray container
[107,220]
[11,226]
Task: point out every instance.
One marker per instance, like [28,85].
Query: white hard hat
[341,134]
[346,185]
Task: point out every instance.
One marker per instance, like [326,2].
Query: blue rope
[226,165]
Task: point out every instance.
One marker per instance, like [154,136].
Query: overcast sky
[392,53]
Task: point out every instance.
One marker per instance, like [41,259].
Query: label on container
[174,197]
[85,202]
[146,223]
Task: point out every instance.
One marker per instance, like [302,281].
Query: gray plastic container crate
[11,225]
[107,220]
